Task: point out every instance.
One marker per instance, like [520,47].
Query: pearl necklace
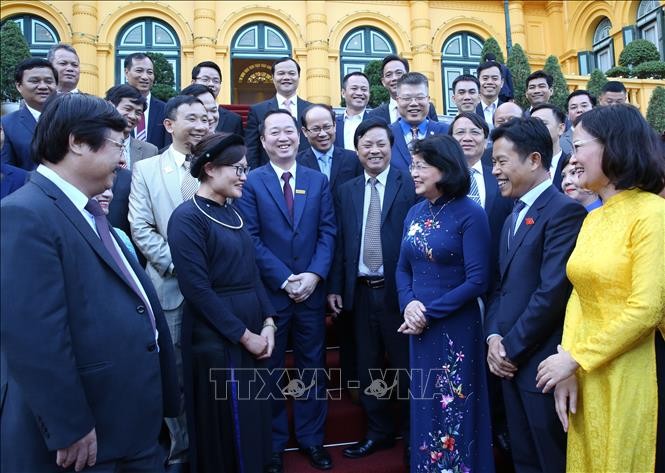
[232,227]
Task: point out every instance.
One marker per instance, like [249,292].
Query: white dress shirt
[392,108]
[381,181]
[488,112]
[294,104]
[480,180]
[35,113]
[555,162]
[350,124]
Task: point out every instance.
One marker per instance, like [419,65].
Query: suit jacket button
[152,347]
[140,309]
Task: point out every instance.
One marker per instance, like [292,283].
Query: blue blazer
[12,179]
[401,157]
[339,130]
[256,155]
[383,113]
[284,246]
[399,197]
[78,342]
[345,165]
[19,128]
[157,134]
[229,122]
[528,307]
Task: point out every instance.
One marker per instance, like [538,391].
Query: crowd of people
[503,274]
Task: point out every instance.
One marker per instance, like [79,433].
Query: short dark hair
[528,135]
[391,58]
[61,118]
[579,92]
[466,78]
[196,90]
[197,69]
[476,119]
[370,124]
[487,65]
[613,86]
[125,91]
[413,78]
[281,60]
[489,57]
[174,103]
[556,111]
[351,74]
[262,125]
[632,152]
[540,75]
[136,56]
[56,47]
[33,63]
[324,106]
[445,153]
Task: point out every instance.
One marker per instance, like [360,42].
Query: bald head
[505,112]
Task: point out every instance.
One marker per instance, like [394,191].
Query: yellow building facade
[329,38]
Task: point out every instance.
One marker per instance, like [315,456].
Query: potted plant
[14,50]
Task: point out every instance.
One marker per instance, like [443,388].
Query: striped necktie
[189,184]
[474,193]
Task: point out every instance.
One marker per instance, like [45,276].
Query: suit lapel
[272,184]
[336,163]
[401,147]
[170,177]
[300,195]
[358,197]
[392,186]
[27,120]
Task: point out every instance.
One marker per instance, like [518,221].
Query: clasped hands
[497,359]
[414,319]
[300,286]
[260,345]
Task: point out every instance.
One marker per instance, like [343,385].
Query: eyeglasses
[240,170]
[579,143]
[418,167]
[318,129]
[120,146]
[418,98]
[209,80]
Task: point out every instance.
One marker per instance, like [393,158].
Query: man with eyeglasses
[209,74]
[413,123]
[36,80]
[286,77]
[159,185]
[392,69]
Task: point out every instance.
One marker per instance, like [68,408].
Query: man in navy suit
[286,77]
[139,72]
[288,211]
[366,290]
[525,317]
[413,123]
[338,164]
[36,80]
[89,367]
[490,75]
[392,69]
[355,91]
[555,121]
[209,74]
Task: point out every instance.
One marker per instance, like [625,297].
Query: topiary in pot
[560,86]
[596,82]
[520,69]
[656,109]
[618,71]
[638,51]
[650,70]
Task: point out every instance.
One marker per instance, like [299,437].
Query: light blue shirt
[529,198]
[324,160]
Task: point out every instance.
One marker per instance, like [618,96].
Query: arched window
[253,50]
[147,35]
[603,46]
[38,32]
[650,23]
[460,54]
[362,45]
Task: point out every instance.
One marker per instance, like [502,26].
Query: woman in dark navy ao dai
[442,271]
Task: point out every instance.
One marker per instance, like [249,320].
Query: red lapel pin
[529,221]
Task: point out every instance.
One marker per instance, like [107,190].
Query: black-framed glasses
[240,170]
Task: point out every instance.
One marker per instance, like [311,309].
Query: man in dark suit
[490,75]
[89,366]
[66,62]
[392,68]
[338,164]
[286,77]
[36,80]
[288,211]
[413,123]
[139,72]
[466,93]
[362,283]
[555,121]
[355,91]
[209,74]
[525,317]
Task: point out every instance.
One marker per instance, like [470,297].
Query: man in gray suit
[131,104]
[159,185]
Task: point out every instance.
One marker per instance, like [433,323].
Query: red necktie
[141,133]
[288,193]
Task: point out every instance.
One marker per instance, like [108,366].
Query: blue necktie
[517,208]
[474,193]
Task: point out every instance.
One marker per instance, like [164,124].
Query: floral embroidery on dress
[441,445]
[418,234]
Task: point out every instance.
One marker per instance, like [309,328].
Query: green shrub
[638,51]
[618,71]
[596,82]
[163,88]
[14,50]
[492,46]
[520,69]
[650,70]
[377,93]
[560,94]
[656,109]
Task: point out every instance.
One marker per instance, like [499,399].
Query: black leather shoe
[367,447]
[276,464]
[318,457]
